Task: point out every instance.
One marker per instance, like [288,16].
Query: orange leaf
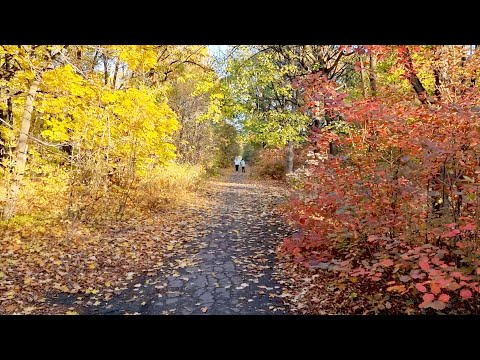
[397,288]
[435,288]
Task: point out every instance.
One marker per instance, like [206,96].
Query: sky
[217,50]
[219,53]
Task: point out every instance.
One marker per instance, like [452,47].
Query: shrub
[268,163]
[162,185]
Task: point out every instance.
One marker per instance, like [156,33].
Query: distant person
[237,162]
[243,165]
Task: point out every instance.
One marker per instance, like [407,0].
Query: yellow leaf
[71,313]
[92,266]
[169,247]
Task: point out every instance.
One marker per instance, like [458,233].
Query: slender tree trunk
[9,118]
[290,155]
[8,115]
[105,68]
[114,81]
[94,61]
[19,170]
[373,74]
[364,78]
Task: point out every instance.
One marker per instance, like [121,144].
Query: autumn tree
[111,112]
[264,79]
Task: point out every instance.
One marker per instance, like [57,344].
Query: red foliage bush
[399,203]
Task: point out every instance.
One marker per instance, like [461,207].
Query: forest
[119,195]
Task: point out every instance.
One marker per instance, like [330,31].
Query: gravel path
[227,268]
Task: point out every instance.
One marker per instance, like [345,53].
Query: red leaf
[416,275]
[421,287]
[465,294]
[444,297]
[428,297]
[469,227]
[435,288]
[386,262]
[450,225]
[424,265]
[451,233]
[456,274]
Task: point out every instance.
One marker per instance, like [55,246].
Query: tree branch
[35,139]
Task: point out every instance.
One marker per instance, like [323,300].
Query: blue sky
[217,50]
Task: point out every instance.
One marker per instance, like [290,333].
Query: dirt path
[226,267]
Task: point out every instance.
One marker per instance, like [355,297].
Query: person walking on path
[243,165]
[237,162]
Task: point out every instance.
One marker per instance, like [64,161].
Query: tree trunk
[373,74]
[105,68]
[412,75]
[290,155]
[94,61]
[8,116]
[19,170]
[440,72]
[364,78]
[114,81]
